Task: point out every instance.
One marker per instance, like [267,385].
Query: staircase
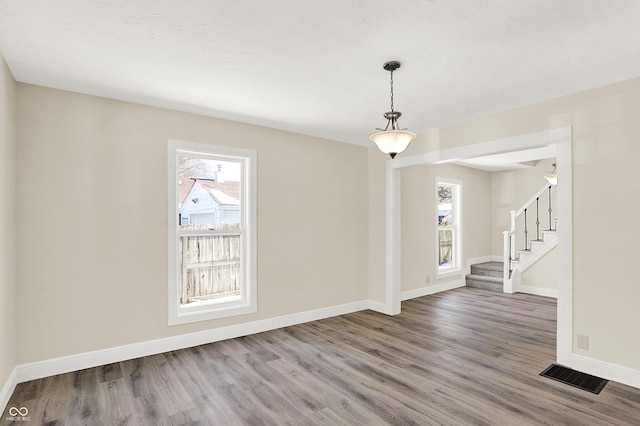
[505,276]
[537,249]
[487,276]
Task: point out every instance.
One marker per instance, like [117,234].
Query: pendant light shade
[392,142]
[392,139]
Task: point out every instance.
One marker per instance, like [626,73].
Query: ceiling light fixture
[552,178]
[392,140]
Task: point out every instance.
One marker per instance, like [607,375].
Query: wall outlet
[583,342]
[427,279]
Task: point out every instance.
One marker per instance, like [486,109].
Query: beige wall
[418,221]
[8,340]
[92,229]
[543,273]
[606,131]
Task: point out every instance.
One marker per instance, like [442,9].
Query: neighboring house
[207,201]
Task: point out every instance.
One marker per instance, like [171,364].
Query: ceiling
[315,66]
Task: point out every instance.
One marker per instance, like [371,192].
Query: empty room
[215,213]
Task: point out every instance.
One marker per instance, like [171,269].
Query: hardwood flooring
[463,357]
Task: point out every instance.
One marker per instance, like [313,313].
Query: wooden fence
[210,263]
[445,247]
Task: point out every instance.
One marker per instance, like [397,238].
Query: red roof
[229,188]
[184,186]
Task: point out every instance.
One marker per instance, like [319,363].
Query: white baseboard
[538,291]
[432,289]
[383,308]
[50,367]
[7,389]
[616,373]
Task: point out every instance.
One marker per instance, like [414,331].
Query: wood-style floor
[463,357]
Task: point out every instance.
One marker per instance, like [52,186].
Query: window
[212,225]
[448,226]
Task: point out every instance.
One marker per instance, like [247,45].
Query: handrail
[532,199]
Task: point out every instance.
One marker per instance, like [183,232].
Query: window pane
[445,245]
[208,191]
[210,266]
[445,205]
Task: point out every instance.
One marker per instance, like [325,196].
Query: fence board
[210,263]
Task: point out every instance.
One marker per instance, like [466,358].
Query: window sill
[448,273]
[185,316]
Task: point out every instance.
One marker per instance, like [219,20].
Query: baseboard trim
[538,291]
[606,370]
[7,389]
[50,367]
[432,289]
[383,308]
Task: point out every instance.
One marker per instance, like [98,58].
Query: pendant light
[392,140]
[552,178]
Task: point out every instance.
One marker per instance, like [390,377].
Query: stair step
[484,282]
[490,269]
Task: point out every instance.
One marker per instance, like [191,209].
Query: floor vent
[574,378]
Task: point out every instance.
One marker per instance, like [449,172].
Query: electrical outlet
[583,342]
[427,279]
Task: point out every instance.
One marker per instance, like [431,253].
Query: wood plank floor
[463,357]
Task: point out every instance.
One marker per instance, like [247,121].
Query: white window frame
[456,268]
[247,302]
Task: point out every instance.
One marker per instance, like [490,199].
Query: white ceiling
[315,66]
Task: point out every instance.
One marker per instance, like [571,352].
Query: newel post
[506,259]
[513,231]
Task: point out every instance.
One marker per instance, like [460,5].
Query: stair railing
[509,237]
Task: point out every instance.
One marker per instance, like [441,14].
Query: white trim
[247,302]
[374,305]
[432,289]
[498,146]
[538,291]
[564,336]
[50,367]
[8,388]
[605,370]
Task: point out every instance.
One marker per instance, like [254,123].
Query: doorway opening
[560,139]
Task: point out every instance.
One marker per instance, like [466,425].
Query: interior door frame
[561,138]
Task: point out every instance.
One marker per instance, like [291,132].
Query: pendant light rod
[391,66]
